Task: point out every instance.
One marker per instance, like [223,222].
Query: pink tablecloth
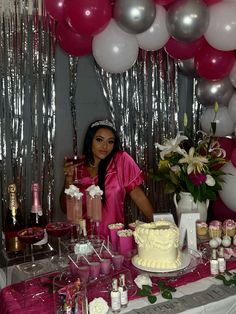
[35,295]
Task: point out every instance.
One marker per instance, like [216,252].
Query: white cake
[158,245]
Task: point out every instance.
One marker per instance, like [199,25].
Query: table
[32,296]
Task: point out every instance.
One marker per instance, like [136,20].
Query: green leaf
[220,277]
[161,285]
[152,299]
[142,293]
[147,289]
[166,294]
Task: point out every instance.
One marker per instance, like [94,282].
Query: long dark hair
[87,150]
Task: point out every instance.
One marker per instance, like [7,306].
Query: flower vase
[186,204]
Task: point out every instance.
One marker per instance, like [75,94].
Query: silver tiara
[103,122]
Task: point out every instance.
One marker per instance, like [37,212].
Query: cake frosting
[158,245]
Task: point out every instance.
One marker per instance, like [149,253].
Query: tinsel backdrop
[143,101]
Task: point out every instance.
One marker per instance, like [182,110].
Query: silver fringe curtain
[145,105]
[27,111]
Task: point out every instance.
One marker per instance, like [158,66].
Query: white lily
[172,145]
[195,163]
[210,181]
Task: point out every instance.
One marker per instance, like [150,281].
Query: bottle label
[12,242]
[222,264]
[115,300]
[214,267]
[123,297]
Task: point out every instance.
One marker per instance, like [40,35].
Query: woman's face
[102,144]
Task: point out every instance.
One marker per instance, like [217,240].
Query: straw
[86,259]
[73,261]
[97,254]
[108,250]
[100,251]
[108,241]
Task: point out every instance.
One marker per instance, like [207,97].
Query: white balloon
[156,36]
[232,75]
[115,50]
[221,31]
[232,107]
[224,124]
[227,194]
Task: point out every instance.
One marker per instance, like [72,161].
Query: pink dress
[122,176]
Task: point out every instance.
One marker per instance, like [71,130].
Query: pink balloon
[88,17]
[55,8]
[72,42]
[221,212]
[213,64]
[209,2]
[233,157]
[228,144]
[183,50]
[164,2]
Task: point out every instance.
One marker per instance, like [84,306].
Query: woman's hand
[69,169]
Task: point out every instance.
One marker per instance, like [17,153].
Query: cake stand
[189,261]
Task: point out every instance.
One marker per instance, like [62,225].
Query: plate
[190,260]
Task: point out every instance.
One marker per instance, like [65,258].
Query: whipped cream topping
[116,226]
[125,233]
[73,191]
[94,190]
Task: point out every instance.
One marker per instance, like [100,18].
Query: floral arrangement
[191,164]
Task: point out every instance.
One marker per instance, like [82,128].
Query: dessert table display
[87,278]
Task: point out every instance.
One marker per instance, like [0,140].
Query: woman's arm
[141,200]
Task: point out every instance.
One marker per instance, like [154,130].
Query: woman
[113,170]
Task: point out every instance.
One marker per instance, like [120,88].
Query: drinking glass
[31,236]
[59,229]
[97,214]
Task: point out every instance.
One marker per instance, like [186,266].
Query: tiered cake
[158,245]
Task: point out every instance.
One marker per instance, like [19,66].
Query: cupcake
[202,228]
[229,227]
[215,228]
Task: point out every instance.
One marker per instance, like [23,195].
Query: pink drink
[77,211]
[96,208]
[58,229]
[105,266]
[69,208]
[31,235]
[113,228]
[89,205]
[94,269]
[117,261]
[126,242]
[81,271]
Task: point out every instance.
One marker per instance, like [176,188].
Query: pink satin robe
[122,176]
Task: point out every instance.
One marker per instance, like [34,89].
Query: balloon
[134,16]
[224,124]
[164,2]
[232,107]
[232,75]
[72,42]
[210,2]
[221,32]
[227,194]
[115,50]
[88,17]
[55,9]
[213,64]
[183,50]
[187,67]
[187,20]
[208,92]
[233,158]
[156,36]
[228,144]
[221,212]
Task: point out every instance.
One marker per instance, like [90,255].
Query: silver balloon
[187,67]
[187,20]
[134,16]
[208,92]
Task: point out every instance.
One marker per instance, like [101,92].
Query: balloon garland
[199,34]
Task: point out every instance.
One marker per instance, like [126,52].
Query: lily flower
[195,163]
[210,181]
[172,145]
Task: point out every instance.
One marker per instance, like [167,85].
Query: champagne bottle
[37,218]
[13,223]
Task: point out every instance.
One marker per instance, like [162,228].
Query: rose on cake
[191,164]
[98,306]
